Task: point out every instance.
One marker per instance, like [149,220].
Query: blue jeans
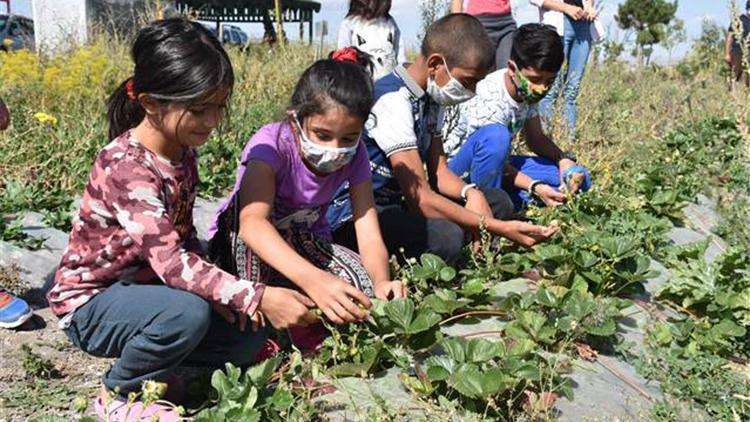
[152,329]
[481,160]
[577,45]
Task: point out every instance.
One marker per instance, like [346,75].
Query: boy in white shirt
[480,142]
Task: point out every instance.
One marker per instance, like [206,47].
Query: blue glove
[586,185]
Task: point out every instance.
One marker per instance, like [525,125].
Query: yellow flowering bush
[86,70]
[19,69]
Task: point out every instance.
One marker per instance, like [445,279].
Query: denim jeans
[484,156]
[416,234]
[152,329]
[577,45]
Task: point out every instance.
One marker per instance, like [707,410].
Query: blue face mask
[323,158]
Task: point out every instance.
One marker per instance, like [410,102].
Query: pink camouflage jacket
[136,223]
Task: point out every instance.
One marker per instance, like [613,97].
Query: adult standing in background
[735,47]
[497,19]
[574,20]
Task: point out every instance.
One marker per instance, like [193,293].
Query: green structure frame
[252,11]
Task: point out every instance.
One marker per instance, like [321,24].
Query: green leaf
[546,298]
[551,253]
[618,247]
[250,400]
[261,373]
[528,371]
[567,324]
[516,331]
[439,368]
[432,262]
[472,287]
[605,329]
[521,347]
[481,350]
[425,320]
[422,273]
[578,305]
[662,334]
[470,382]
[455,348]
[532,322]
[447,274]
[444,302]
[729,328]
[400,312]
[281,400]
[585,259]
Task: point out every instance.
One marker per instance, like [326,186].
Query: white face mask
[451,94]
[322,158]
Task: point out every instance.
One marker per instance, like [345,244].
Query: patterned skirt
[230,252]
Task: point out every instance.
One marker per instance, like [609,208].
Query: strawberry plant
[555,317]
[482,374]
[395,331]
[249,396]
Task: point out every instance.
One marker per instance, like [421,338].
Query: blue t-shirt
[403,118]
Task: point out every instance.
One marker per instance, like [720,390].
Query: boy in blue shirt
[422,206]
[506,102]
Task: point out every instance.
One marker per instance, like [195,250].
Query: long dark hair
[176,60]
[341,80]
[370,9]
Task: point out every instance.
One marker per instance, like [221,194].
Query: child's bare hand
[526,234]
[338,299]
[550,196]
[286,308]
[256,320]
[387,290]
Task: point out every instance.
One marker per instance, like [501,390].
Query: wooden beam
[279,23]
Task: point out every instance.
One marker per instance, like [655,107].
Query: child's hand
[286,308]
[524,234]
[338,299]
[550,196]
[387,290]
[256,320]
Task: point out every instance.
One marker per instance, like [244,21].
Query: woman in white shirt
[370,27]
[575,22]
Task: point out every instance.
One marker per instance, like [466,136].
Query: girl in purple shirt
[273,228]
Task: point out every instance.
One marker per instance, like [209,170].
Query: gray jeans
[152,329]
[500,28]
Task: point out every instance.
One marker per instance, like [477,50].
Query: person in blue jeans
[479,145]
[574,21]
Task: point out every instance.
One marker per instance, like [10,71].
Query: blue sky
[406,13]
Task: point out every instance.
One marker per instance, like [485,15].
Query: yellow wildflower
[7,42]
[46,118]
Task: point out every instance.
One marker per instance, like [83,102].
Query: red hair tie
[130,89]
[346,55]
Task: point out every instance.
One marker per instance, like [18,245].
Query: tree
[432,10]
[709,47]
[676,35]
[649,19]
